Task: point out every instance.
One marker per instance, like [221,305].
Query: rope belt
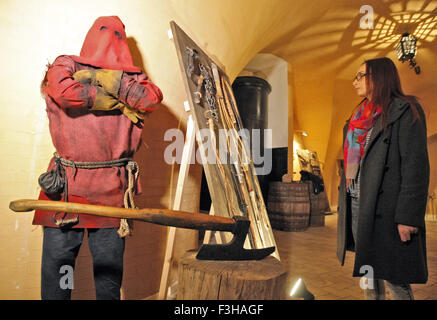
[133,173]
[93,165]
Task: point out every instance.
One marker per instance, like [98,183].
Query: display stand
[183,174]
[233,185]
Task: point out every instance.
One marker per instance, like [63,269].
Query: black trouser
[60,249]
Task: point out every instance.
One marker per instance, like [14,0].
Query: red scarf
[360,124]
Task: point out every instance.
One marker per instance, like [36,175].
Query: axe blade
[234,250]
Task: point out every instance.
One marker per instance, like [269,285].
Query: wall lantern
[407,49]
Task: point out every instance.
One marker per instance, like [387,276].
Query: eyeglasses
[359,76]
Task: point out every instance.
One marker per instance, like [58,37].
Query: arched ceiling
[337,37]
[325,49]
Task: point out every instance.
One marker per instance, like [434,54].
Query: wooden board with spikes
[225,155]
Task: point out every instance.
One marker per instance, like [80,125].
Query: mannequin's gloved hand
[132,114]
[107,83]
[105,101]
[107,79]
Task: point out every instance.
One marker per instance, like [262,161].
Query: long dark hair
[385,84]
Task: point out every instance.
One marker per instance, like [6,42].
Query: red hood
[105,46]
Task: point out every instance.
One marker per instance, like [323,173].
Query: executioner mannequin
[96,104]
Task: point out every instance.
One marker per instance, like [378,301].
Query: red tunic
[82,135]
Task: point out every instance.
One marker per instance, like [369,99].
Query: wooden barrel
[318,207]
[289,206]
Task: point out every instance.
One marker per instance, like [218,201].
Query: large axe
[234,250]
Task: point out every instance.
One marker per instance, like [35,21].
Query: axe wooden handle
[166,217]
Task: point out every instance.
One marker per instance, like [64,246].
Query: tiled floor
[311,255]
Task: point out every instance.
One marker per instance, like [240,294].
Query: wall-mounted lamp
[300,291]
[304,133]
[407,49]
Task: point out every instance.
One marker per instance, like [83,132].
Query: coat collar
[396,109]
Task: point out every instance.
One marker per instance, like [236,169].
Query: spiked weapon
[259,201]
[223,112]
[234,250]
[241,165]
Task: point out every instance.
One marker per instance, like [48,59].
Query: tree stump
[230,280]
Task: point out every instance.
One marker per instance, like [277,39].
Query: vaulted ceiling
[326,48]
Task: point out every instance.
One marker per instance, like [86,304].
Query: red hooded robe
[82,135]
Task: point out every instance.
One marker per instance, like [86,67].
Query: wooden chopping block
[230,280]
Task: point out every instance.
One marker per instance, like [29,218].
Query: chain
[192,55]
[209,92]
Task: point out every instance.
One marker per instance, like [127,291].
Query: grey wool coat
[393,190]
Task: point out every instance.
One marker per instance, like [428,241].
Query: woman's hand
[405,232]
